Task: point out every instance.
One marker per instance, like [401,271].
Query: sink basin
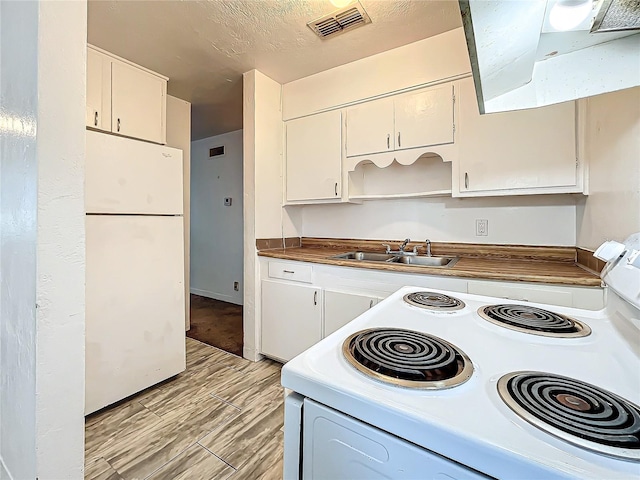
[422,260]
[366,257]
[427,261]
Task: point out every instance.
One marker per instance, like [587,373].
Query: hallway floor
[216,323]
[222,418]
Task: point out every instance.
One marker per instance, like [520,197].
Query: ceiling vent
[340,21]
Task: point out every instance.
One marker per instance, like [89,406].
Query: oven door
[336,446]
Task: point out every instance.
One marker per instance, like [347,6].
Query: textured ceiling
[205,46]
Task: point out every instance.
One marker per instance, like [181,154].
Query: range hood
[520,59]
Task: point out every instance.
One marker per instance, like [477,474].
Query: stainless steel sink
[419,260]
[427,261]
[366,257]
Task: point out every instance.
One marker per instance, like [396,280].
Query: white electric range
[469,386]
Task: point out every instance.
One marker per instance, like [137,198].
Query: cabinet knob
[388,140]
[118,124]
[466,180]
[399,144]
[95,119]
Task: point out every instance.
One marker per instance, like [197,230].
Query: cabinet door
[515,150]
[370,128]
[425,118]
[138,100]
[314,157]
[98,113]
[340,308]
[291,319]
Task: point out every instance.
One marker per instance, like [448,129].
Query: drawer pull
[370,303]
[118,124]
[95,120]
[388,141]
[335,189]
[315,297]
[399,145]
[288,271]
[466,180]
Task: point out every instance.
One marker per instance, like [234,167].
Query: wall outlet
[482,228]
[236,286]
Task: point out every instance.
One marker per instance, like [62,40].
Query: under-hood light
[568,14]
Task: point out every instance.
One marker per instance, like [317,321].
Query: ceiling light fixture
[568,14]
[340,3]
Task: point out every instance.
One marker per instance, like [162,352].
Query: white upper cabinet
[424,118]
[401,122]
[521,152]
[98,87]
[370,128]
[138,101]
[314,157]
[124,98]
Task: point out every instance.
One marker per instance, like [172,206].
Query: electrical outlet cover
[482,228]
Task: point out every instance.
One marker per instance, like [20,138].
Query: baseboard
[251,354]
[4,473]
[216,296]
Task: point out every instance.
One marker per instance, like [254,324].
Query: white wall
[539,220]
[216,230]
[179,136]
[264,216]
[612,210]
[18,200]
[436,58]
[532,220]
[42,79]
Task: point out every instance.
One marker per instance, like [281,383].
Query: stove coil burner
[407,358]
[534,320]
[574,411]
[433,301]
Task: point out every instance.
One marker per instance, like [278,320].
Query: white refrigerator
[135,300]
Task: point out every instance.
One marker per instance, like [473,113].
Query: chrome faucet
[401,249]
[427,245]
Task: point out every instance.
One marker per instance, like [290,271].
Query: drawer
[288,271]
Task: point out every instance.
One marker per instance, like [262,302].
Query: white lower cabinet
[341,307]
[291,318]
[302,303]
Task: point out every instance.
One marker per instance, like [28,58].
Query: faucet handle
[387,248]
[427,244]
[404,244]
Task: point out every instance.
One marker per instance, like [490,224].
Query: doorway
[216,266]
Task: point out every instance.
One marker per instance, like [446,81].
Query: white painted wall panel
[612,210]
[42,78]
[217,230]
[543,220]
[18,236]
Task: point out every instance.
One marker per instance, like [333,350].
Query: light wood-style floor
[220,419]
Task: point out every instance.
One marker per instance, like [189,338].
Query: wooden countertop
[551,265]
